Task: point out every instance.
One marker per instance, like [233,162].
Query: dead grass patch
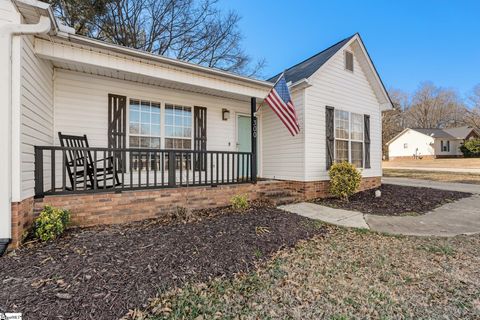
[458,177]
[344,275]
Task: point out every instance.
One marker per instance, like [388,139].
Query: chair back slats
[81,167]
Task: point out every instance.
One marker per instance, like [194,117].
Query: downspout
[7,32]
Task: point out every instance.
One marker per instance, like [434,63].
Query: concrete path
[462,187]
[462,170]
[339,217]
[460,217]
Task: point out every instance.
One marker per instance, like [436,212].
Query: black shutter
[330,135]
[366,120]
[200,137]
[117,127]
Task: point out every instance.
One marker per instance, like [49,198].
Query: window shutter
[366,120]
[330,136]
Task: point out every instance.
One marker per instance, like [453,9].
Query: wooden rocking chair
[81,167]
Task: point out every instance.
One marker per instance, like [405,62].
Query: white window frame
[350,140]
[161,124]
[165,124]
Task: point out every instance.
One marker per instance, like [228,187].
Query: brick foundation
[129,206]
[319,189]
[22,219]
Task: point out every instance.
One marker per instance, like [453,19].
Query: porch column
[254,128]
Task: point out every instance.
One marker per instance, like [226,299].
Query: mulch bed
[101,273]
[396,200]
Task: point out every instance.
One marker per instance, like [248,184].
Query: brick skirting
[22,219]
[129,206]
[319,189]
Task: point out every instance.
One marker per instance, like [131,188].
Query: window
[405,146]
[144,124]
[349,135]
[356,138]
[178,127]
[349,60]
[445,147]
[342,132]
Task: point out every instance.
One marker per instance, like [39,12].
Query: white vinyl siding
[334,86]
[283,155]
[81,104]
[36,112]
[411,143]
[8,13]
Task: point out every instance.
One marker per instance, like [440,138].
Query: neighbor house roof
[435,133]
[461,132]
[450,133]
[308,67]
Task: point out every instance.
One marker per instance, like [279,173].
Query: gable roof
[308,67]
[461,132]
[451,133]
[434,133]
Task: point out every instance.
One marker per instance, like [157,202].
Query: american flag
[281,103]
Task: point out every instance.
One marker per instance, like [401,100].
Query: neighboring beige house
[430,143]
[162,132]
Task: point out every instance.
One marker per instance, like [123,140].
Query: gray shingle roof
[451,133]
[307,67]
[460,132]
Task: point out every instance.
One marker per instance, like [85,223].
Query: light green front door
[244,143]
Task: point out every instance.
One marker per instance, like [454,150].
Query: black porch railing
[66,170]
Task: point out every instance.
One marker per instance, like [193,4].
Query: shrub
[344,180]
[239,202]
[51,223]
[471,148]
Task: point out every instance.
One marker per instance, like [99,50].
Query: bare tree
[393,121]
[434,107]
[472,112]
[190,30]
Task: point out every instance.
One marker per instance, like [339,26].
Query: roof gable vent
[349,60]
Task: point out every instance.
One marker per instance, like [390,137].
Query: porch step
[275,193]
[279,197]
[284,200]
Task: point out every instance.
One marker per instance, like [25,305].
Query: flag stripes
[283,107]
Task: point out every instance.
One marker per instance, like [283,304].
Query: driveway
[462,187]
[460,217]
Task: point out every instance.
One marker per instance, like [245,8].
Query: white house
[163,133]
[430,143]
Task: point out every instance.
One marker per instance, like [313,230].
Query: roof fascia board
[68,52]
[157,58]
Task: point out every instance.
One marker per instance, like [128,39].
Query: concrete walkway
[461,170]
[339,217]
[462,187]
[460,217]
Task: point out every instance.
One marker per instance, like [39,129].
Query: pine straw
[348,274]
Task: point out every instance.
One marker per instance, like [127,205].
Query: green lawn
[345,274]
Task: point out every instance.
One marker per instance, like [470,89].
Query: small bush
[239,202]
[344,180]
[471,148]
[51,223]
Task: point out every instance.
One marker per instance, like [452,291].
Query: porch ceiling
[99,61]
[121,75]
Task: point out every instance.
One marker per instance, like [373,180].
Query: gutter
[7,32]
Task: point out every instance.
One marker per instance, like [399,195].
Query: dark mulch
[396,200]
[101,273]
